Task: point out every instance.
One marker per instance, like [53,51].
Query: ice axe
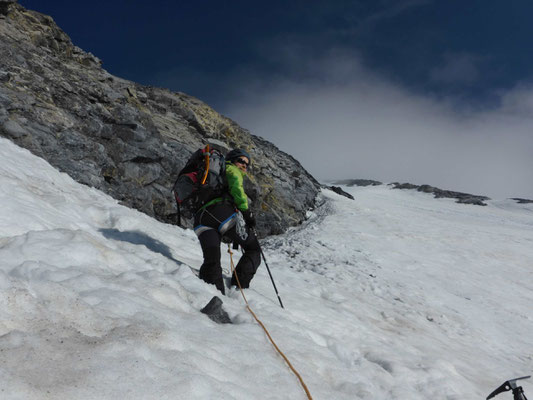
[518,392]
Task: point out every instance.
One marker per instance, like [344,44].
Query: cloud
[457,68]
[342,120]
[519,101]
[388,11]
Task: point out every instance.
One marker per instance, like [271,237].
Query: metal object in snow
[518,392]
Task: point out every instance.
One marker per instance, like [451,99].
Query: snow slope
[395,295]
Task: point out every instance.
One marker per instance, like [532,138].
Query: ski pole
[269,273]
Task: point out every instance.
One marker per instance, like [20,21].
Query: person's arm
[235,183]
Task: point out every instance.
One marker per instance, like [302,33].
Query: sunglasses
[243,162]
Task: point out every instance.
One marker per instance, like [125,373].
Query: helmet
[236,153]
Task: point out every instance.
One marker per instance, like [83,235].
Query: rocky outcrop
[123,138]
[462,198]
[522,201]
[397,185]
[357,182]
[339,190]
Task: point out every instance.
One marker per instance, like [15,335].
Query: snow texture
[394,295]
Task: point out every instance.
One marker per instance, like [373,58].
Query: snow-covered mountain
[393,295]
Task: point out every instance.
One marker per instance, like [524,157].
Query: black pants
[211,270]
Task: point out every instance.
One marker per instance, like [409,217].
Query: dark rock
[4,6]
[522,201]
[427,189]
[128,134]
[358,182]
[338,190]
[215,312]
[141,173]
[462,198]
[12,129]
[397,185]
[477,201]
[5,101]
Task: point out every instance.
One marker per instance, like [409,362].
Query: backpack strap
[206,156]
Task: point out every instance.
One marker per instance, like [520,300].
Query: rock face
[123,138]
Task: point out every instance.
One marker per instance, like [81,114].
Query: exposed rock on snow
[215,312]
[462,198]
[522,201]
[339,190]
[357,182]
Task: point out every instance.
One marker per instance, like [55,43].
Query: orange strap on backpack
[206,153]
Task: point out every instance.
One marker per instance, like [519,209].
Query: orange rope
[265,329]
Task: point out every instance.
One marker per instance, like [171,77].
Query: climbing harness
[263,326]
[224,226]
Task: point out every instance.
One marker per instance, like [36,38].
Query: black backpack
[202,179]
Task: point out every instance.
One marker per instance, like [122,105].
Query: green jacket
[234,177]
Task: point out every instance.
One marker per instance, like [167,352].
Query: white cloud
[343,121]
[519,101]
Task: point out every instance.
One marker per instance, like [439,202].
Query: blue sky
[471,49]
[425,91]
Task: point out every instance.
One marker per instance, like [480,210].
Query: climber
[228,218]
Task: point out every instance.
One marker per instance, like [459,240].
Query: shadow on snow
[140,238]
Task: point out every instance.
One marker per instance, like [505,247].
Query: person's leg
[208,222]
[250,260]
[211,271]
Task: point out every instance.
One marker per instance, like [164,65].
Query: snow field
[438,289]
[392,296]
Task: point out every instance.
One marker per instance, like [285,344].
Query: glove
[249,218]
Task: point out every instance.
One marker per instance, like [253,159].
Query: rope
[265,329]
